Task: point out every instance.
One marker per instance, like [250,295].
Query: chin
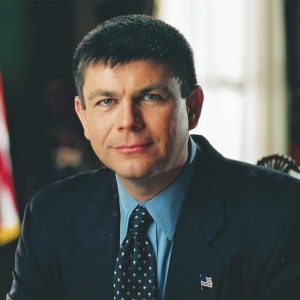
[135,175]
[140,168]
[136,172]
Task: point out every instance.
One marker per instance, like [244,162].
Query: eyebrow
[142,91]
[152,87]
[100,92]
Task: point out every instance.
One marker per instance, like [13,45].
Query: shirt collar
[165,207]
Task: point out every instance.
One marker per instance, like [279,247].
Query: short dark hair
[136,37]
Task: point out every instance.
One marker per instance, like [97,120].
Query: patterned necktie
[135,271]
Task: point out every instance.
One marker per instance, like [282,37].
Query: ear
[81,113]
[194,106]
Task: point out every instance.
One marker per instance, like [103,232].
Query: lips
[132,148]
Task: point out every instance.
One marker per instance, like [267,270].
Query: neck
[143,189]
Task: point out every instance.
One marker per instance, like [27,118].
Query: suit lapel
[88,273]
[202,220]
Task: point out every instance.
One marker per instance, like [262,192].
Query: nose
[130,117]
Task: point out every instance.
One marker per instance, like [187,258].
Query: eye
[153,97]
[106,102]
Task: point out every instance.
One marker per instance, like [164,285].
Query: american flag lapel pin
[206,282]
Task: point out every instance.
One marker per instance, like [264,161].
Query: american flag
[206,281]
[9,218]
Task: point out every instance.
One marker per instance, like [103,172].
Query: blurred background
[248,63]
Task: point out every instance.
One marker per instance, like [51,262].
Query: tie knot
[139,220]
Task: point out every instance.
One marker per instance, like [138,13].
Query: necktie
[135,271]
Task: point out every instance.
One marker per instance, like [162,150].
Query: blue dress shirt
[165,210]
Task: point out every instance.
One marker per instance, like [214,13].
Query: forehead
[136,72]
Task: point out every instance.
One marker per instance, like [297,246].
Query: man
[169,217]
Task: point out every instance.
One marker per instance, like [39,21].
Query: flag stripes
[9,218]
[206,281]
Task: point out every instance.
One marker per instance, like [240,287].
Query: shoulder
[252,194]
[265,181]
[264,202]
[244,176]
[70,191]
[59,206]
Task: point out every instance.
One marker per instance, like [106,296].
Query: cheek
[98,130]
[168,123]
[179,123]
[162,124]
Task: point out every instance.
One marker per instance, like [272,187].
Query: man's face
[135,118]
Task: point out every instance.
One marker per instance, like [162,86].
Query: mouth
[133,148]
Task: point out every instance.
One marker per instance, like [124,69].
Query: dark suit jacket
[240,225]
